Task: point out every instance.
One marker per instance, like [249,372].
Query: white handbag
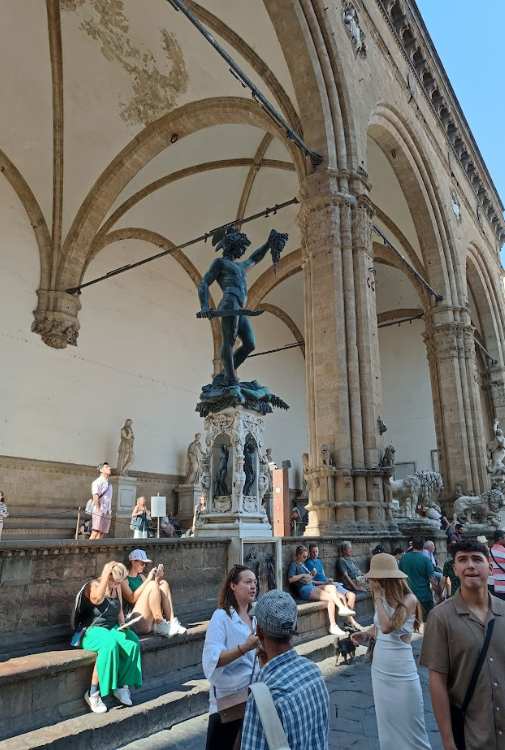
[274,732]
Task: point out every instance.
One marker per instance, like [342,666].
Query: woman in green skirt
[118,663]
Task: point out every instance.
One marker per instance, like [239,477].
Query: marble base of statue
[234,479]
[188,498]
[124,496]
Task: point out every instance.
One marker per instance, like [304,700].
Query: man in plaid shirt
[296,684]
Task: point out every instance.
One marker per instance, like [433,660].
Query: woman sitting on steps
[99,617]
[150,597]
[301,579]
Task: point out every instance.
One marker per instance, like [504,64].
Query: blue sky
[468,36]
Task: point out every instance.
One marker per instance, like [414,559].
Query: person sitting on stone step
[301,579]
[150,597]
[118,663]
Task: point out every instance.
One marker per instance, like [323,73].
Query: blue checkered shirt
[301,700]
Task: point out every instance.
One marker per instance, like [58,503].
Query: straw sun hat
[384,566]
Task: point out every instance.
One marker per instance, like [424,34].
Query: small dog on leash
[346,649]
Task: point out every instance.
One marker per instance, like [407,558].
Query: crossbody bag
[90,505]
[458,713]
[272,726]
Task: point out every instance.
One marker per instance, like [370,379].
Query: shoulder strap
[496,561]
[480,661]
[274,733]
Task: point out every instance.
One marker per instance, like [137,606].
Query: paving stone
[352,716]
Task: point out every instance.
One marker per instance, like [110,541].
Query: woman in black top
[118,663]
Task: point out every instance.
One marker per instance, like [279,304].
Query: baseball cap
[140,555]
[276,613]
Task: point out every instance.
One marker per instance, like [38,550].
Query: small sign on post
[158,510]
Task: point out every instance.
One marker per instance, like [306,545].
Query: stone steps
[30,523]
[44,688]
[155,709]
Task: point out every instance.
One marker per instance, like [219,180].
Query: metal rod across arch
[266,212]
[416,273]
[246,82]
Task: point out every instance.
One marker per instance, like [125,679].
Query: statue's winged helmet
[229,234]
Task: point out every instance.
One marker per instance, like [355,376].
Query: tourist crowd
[263,694]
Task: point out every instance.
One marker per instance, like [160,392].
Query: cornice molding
[407,26]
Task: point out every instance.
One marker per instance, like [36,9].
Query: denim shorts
[305,591]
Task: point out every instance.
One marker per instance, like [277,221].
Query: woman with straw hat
[396,687]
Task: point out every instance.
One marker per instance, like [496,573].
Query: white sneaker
[335,630]
[176,628]
[162,628]
[123,696]
[95,702]
[345,612]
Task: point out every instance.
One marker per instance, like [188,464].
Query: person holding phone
[150,598]
[118,663]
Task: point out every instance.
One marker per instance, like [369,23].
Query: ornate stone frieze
[408,30]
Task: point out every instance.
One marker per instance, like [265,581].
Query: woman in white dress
[398,697]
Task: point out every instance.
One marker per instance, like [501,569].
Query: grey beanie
[276,613]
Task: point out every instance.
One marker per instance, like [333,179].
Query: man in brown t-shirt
[453,638]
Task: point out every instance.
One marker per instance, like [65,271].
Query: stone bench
[52,683]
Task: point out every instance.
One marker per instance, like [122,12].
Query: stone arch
[480,283]
[34,214]
[158,240]
[151,141]
[316,75]
[401,147]
[272,277]
[288,321]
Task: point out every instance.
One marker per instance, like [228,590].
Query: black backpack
[80,613]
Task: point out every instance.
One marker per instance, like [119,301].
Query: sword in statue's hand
[232,313]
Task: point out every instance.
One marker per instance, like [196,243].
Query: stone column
[342,363]
[367,340]
[451,353]
[331,490]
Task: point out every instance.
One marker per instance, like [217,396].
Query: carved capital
[55,319]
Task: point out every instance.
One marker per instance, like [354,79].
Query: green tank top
[134,582]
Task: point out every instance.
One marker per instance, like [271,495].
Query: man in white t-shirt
[101,491]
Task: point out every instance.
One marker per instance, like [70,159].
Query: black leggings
[222,736]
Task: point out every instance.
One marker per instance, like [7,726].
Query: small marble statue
[496,452]
[194,461]
[354,30]
[125,454]
[221,482]
[249,469]
[480,509]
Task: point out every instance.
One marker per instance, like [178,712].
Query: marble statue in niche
[355,32]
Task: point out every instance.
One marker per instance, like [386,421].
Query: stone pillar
[367,340]
[331,492]
[450,345]
[342,363]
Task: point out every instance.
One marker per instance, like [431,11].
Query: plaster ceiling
[123,64]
